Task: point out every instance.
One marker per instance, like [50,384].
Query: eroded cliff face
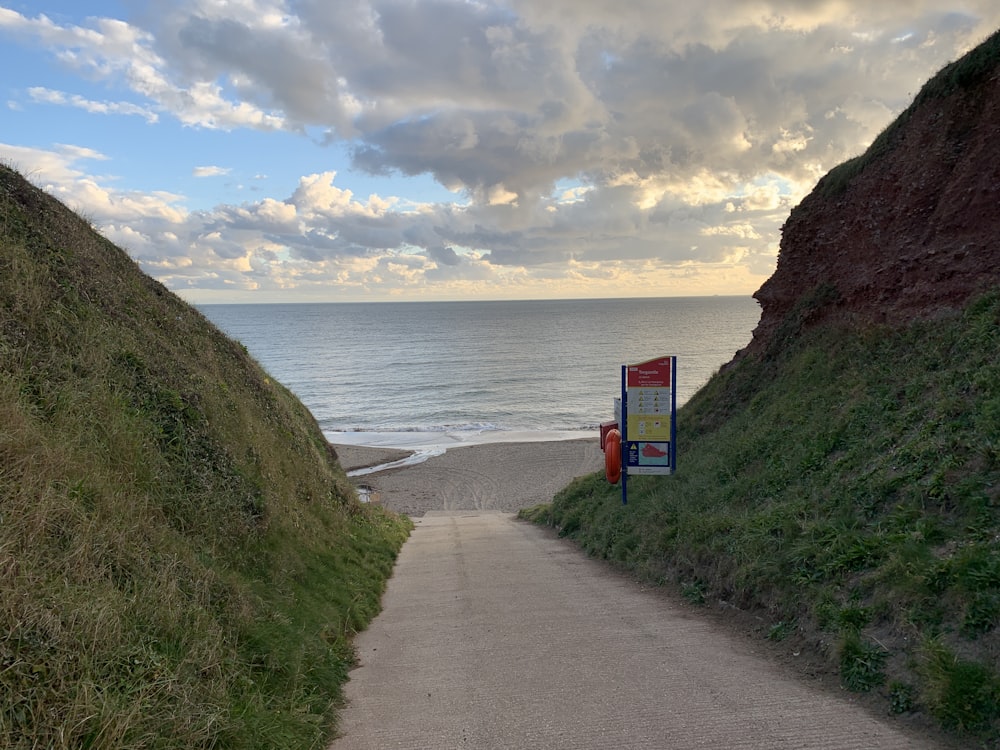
[911,228]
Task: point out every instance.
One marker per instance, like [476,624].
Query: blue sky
[285,150]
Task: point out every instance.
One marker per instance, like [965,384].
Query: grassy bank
[846,488]
[182,560]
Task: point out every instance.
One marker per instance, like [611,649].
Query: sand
[492,476]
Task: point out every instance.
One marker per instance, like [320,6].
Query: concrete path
[496,635]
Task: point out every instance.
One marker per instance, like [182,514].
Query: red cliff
[909,229]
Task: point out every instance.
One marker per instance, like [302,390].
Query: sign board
[650,400]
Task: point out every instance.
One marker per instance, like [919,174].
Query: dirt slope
[910,228]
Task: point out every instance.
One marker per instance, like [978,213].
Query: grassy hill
[847,490]
[841,479]
[182,560]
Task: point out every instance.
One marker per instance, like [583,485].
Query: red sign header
[652,374]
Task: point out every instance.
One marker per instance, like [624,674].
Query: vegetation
[846,487]
[182,560]
[972,70]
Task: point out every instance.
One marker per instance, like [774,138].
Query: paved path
[496,635]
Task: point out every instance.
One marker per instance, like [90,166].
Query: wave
[469,427]
[417,457]
[424,441]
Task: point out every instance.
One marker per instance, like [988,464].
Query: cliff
[907,230]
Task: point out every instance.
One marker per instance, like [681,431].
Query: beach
[488,476]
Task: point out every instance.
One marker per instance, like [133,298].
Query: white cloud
[48,96]
[123,54]
[211,171]
[684,132]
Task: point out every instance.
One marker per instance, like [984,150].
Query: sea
[426,376]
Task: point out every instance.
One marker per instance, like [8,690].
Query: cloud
[209,171]
[591,144]
[48,96]
[119,53]
[444,255]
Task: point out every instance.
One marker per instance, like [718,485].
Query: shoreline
[447,439]
[498,475]
[359,457]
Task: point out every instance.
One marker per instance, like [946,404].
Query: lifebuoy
[613,456]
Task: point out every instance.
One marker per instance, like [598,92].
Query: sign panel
[650,401]
[656,373]
[648,457]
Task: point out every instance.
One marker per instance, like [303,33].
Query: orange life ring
[613,456]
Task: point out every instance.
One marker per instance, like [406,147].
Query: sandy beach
[490,476]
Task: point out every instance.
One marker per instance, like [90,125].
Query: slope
[840,479]
[182,560]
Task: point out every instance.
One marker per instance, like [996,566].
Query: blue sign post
[648,419]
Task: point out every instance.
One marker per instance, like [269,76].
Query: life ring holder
[613,456]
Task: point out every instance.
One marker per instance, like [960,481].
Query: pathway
[496,635]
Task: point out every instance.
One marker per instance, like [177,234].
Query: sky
[372,150]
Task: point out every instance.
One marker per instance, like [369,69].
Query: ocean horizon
[433,375]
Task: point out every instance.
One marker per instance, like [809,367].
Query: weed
[901,697]
[981,614]
[781,630]
[693,591]
[861,663]
[852,618]
[963,695]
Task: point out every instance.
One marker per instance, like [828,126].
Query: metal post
[624,431]
[673,415]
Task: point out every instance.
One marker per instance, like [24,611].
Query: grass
[848,483]
[182,560]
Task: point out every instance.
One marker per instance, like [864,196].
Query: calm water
[480,368]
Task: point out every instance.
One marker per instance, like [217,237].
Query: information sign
[649,402]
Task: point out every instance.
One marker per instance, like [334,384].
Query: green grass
[848,483]
[182,560]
